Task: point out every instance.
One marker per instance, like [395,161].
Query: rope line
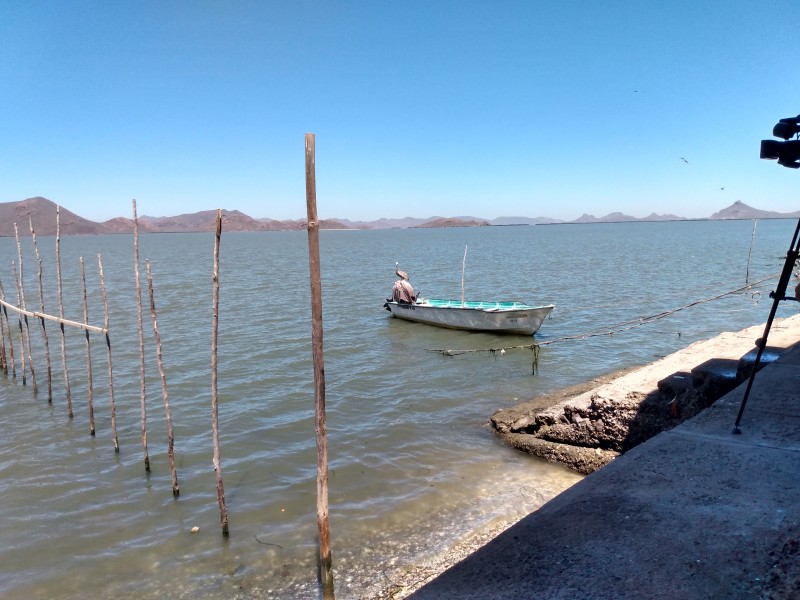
[623,326]
[638,300]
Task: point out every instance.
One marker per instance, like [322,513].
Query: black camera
[787,153]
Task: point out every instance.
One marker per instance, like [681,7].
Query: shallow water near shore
[413,463]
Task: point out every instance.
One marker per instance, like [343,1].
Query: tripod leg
[778,295]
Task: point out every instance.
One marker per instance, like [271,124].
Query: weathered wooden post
[223,511]
[325,560]
[88,352]
[176,490]
[42,319]
[23,368]
[61,313]
[108,353]
[3,359]
[23,315]
[3,356]
[11,358]
[463,268]
[141,337]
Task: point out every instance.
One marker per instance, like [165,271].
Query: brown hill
[302,224]
[740,210]
[42,213]
[454,223]
[123,225]
[273,225]
[232,220]
[384,223]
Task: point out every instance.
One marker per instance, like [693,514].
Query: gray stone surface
[694,512]
[624,411]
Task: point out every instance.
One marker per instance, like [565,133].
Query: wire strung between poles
[624,326]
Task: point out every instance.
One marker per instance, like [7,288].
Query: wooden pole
[325,561]
[176,490]
[38,315]
[223,511]
[10,340]
[3,358]
[750,252]
[21,294]
[41,319]
[3,355]
[463,268]
[142,389]
[88,352]
[23,368]
[108,352]
[61,313]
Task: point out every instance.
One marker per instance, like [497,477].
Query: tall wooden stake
[10,358]
[23,368]
[176,490]
[42,319]
[108,352]
[21,293]
[463,268]
[61,313]
[141,338]
[750,253]
[325,561]
[88,352]
[3,358]
[223,511]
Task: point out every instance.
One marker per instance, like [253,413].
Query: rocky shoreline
[587,426]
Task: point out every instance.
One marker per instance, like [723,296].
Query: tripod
[778,295]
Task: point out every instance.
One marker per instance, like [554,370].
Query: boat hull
[498,317]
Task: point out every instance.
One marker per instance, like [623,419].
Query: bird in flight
[684,160]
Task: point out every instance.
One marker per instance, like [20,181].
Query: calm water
[414,466]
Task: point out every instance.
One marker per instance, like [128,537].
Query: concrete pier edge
[694,512]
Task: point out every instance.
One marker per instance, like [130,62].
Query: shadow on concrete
[682,395]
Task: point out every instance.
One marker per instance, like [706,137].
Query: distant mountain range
[42,213]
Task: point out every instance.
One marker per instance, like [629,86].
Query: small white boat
[498,317]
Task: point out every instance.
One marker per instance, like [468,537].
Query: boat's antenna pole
[463,267]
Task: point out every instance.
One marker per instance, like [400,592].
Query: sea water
[414,466]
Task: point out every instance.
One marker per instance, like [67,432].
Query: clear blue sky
[526,108]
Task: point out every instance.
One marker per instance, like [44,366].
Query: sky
[536,108]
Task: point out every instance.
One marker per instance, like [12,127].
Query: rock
[676,383]
[582,460]
[521,423]
[611,415]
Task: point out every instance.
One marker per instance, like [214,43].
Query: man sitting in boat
[402,291]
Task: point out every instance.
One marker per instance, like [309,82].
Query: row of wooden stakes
[16,357]
[8,360]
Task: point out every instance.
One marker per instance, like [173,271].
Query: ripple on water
[413,467]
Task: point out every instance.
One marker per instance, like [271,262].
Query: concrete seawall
[588,429]
[694,512]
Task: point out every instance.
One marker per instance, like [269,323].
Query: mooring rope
[639,299]
[623,326]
